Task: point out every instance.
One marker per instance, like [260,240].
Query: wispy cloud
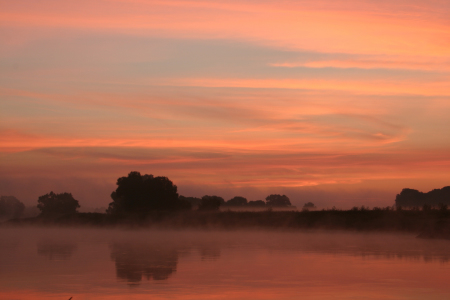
[368,28]
[369,87]
[232,95]
[416,63]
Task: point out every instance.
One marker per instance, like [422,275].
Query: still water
[159,264]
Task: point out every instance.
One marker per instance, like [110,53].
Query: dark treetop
[211,203]
[414,198]
[140,194]
[278,200]
[237,201]
[54,204]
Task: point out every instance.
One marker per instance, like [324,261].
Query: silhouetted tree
[184,204]
[309,205]
[277,200]
[10,207]
[211,203]
[257,203]
[51,204]
[409,198]
[139,194]
[237,201]
[439,196]
[193,201]
[414,198]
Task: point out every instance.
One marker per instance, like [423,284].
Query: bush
[237,201]
[277,200]
[10,207]
[211,203]
[53,204]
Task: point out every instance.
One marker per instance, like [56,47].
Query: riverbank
[427,224]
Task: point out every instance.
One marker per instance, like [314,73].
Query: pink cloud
[342,28]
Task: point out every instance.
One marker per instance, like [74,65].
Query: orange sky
[340,102]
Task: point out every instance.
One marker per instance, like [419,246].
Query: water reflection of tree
[209,252]
[56,250]
[135,261]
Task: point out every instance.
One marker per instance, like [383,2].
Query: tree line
[138,194]
[414,198]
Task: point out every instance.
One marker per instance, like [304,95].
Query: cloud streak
[225,95]
[407,30]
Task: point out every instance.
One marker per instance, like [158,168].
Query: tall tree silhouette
[140,194]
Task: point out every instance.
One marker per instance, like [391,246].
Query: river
[59,263]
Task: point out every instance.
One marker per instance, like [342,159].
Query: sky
[340,102]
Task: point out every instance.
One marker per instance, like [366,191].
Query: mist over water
[59,263]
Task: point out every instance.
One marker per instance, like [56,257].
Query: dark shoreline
[426,224]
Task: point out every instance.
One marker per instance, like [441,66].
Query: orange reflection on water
[222,265]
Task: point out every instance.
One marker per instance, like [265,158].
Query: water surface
[162,264]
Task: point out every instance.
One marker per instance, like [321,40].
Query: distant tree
[52,204]
[237,201]
[140,194]
[257,203]
[409,198]
[277,200]
[10,207]
[439,196]
[193,201]
[211,203]
[308,206]
[31,212]
[184,204]
[414,198]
